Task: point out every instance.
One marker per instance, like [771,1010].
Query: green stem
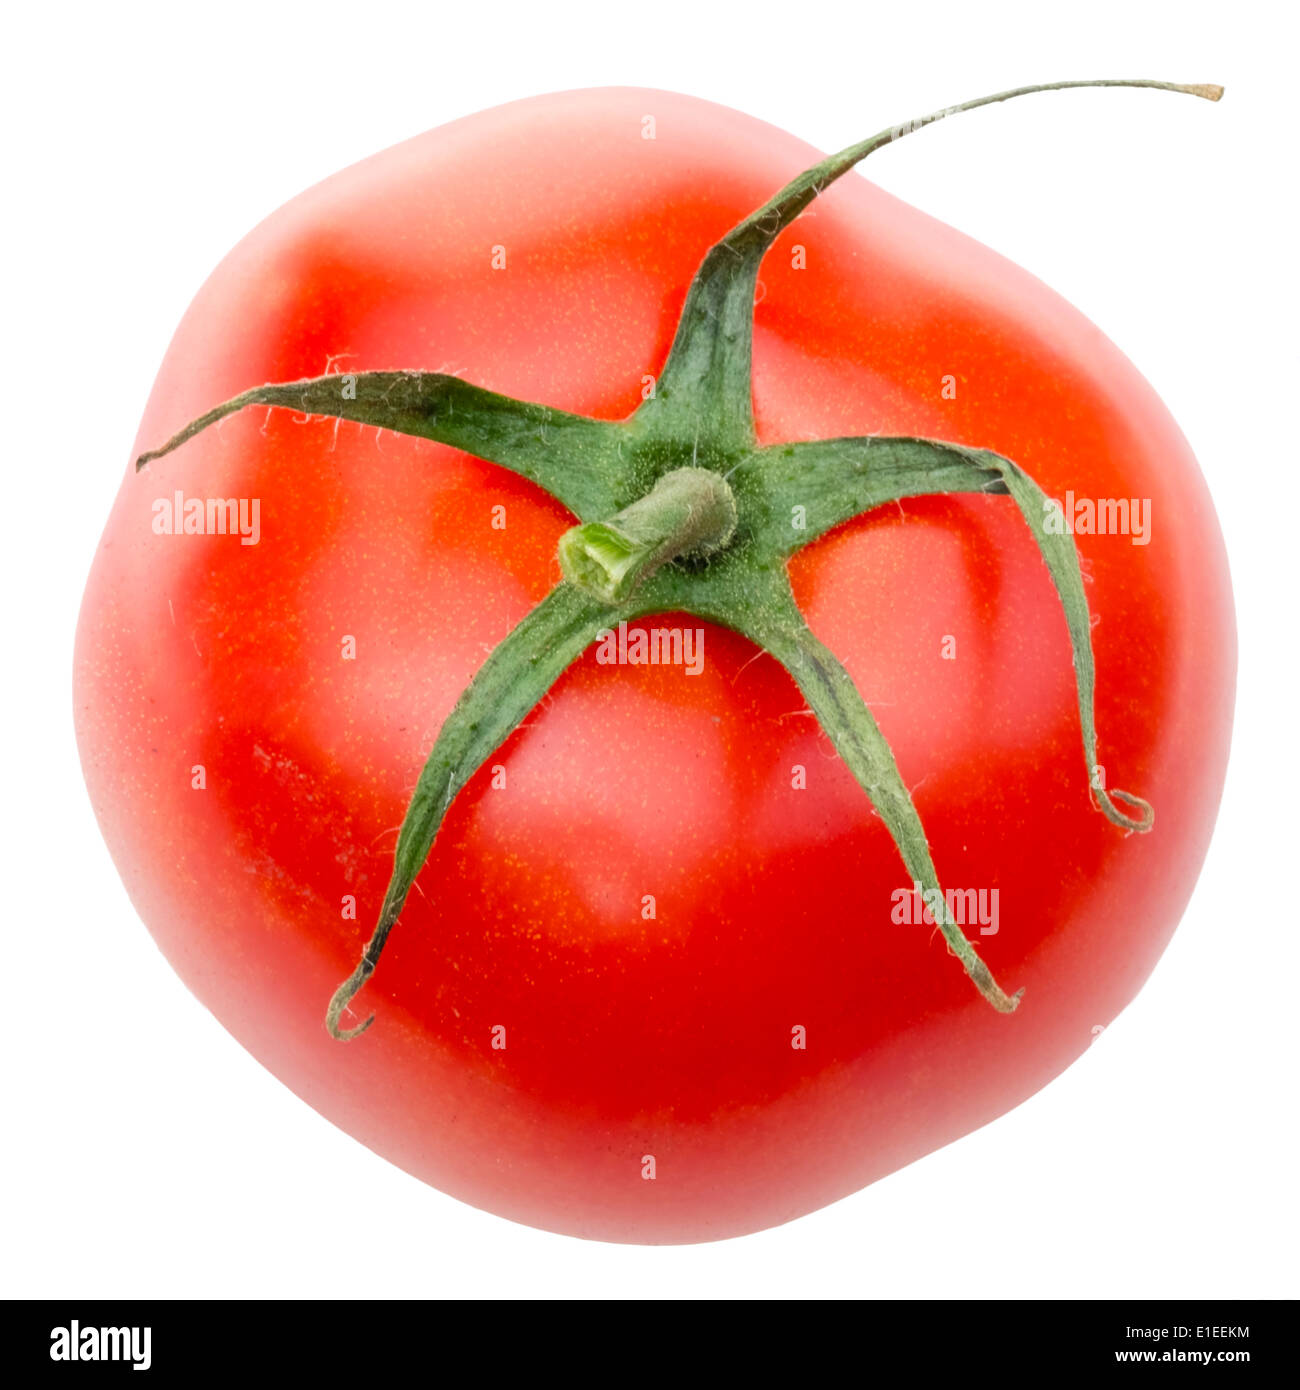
[689,512]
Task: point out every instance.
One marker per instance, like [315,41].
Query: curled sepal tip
[1056,546]
[394,900]
[343,996]
[1141,823]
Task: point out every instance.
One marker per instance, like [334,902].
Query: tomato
[663,977]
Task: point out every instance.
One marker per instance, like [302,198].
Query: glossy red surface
[627,1037]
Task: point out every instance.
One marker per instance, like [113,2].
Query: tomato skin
[628,1037]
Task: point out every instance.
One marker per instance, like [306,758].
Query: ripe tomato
[652,985]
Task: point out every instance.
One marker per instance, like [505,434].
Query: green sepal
[837,479]
[509,685]
[846,718]
[811,488]
[704,391]
[575,458]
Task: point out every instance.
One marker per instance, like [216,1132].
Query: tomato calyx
[680,509]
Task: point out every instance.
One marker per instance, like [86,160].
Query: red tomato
[629,1037]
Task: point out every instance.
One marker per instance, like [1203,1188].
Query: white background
[144,1153]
